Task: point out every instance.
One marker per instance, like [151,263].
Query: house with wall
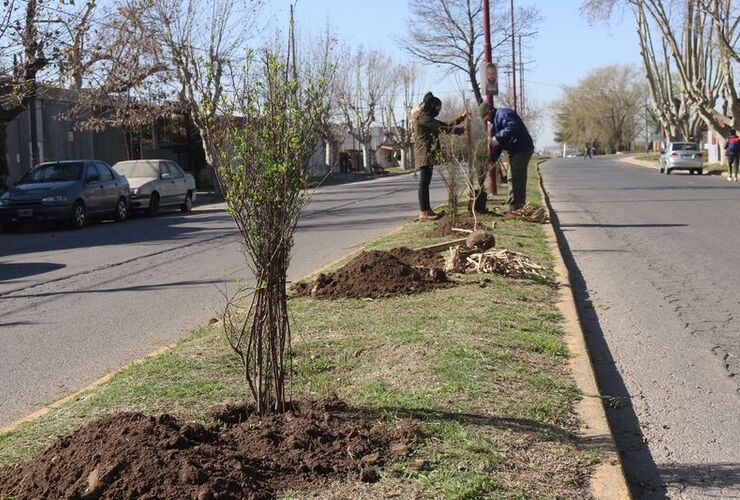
[58,139]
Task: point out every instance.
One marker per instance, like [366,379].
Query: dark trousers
[518,164]
[425,178]
[733,161]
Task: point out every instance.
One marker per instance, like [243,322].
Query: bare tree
[449,33]
[365,88]
[18,80]
[700,37]
[603,108]
[406,95]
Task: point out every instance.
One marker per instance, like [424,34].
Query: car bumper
[36,213]
[685,164]
[139,201]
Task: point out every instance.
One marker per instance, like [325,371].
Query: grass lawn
[648,157]
[482,366]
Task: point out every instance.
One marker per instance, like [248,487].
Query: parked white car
[682,156]
[157,183]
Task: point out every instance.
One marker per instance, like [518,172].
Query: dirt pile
[139,456]
[419,258]
[445,225]
[374,274]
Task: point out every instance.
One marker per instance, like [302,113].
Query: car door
[166,184]
[109,196]
[92,191]
[181,183]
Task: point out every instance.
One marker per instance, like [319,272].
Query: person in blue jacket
[508,133]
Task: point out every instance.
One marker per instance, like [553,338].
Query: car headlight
[54,199]
[134,191]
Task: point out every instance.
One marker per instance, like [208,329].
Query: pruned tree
[365,88]
[265,131]
[405,94]
[700,37]
[603,108]
[449,34]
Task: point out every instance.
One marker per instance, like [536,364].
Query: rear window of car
[53,172]
[685,146]
[137,169]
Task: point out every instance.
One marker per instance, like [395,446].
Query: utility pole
[521,78]
[513,58]
[488,58]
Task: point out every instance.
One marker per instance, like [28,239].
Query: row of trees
[690,53]
[129,62]
[605,109]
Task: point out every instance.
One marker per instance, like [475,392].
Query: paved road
[75,305]
[658,270]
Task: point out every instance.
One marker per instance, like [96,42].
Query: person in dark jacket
[508,133]
[427,130]
[732,149]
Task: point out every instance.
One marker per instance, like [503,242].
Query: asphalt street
[656,268]
[76,305]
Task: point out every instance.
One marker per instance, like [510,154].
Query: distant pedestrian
[587,153]
[427,130]
[732,147]
[508,133]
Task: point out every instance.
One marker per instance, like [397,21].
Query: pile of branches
[503,262]
[530,213]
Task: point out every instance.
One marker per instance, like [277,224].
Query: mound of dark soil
[445,225]
[133,455]
[419,258]
[374,274]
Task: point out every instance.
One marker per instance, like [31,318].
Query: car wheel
[11,227]
[187,206]
[121,210]
[78,215]
[153,205]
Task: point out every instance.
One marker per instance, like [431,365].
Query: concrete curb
[608,480]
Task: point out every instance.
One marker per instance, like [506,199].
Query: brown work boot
[428,215]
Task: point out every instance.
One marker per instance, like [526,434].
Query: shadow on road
[14,271]
[639,465]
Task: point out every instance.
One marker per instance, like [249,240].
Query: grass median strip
[482,366]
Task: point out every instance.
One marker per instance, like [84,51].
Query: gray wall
[57,139]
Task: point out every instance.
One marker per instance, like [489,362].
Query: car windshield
[685,146]
[53,172]
[137,169]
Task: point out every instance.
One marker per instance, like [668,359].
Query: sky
[565,49]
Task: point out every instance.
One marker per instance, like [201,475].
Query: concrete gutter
[608,480]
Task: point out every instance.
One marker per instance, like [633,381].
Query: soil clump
[133,455]
[377,274]
[445,225]
[423,257]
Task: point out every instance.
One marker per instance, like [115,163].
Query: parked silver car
[682,156]
[157,183]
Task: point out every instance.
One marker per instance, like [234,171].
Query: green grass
[482,366]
